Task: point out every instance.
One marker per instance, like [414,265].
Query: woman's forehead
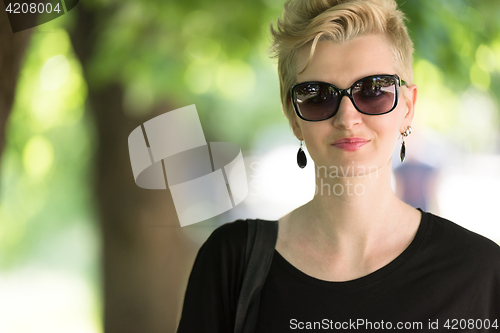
[345,62]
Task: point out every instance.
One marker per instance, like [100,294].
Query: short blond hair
[309,21]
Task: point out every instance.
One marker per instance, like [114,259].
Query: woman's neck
[356,212]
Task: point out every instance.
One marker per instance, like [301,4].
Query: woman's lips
[350,144]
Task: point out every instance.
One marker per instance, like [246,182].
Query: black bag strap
[261,241]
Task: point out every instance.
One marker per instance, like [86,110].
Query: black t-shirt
[448,278]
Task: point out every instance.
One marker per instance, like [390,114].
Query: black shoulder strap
[261,241]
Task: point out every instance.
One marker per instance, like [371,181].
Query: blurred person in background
[416,180]
[355,252]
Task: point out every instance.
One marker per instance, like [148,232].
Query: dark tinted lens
[375,95]
[316,101]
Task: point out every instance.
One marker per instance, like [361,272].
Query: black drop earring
[301,157]
[402,153]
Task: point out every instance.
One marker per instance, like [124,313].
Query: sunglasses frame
[347,92]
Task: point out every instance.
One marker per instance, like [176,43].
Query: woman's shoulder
[236,230]
[228,237]
[449,235]
[231,236]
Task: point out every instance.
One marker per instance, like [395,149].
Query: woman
[355,257]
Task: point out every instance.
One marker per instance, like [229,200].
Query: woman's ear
[411,100]
[296,127]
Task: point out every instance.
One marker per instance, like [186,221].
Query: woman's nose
[347,116]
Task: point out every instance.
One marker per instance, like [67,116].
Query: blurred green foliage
[45,181]
[460,37]
[457,58]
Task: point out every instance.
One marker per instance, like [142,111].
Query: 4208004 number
[462,324]
[25,8]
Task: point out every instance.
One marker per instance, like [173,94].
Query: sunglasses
[372,95]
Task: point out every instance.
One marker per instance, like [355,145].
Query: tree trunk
[12,49]
[146,257]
